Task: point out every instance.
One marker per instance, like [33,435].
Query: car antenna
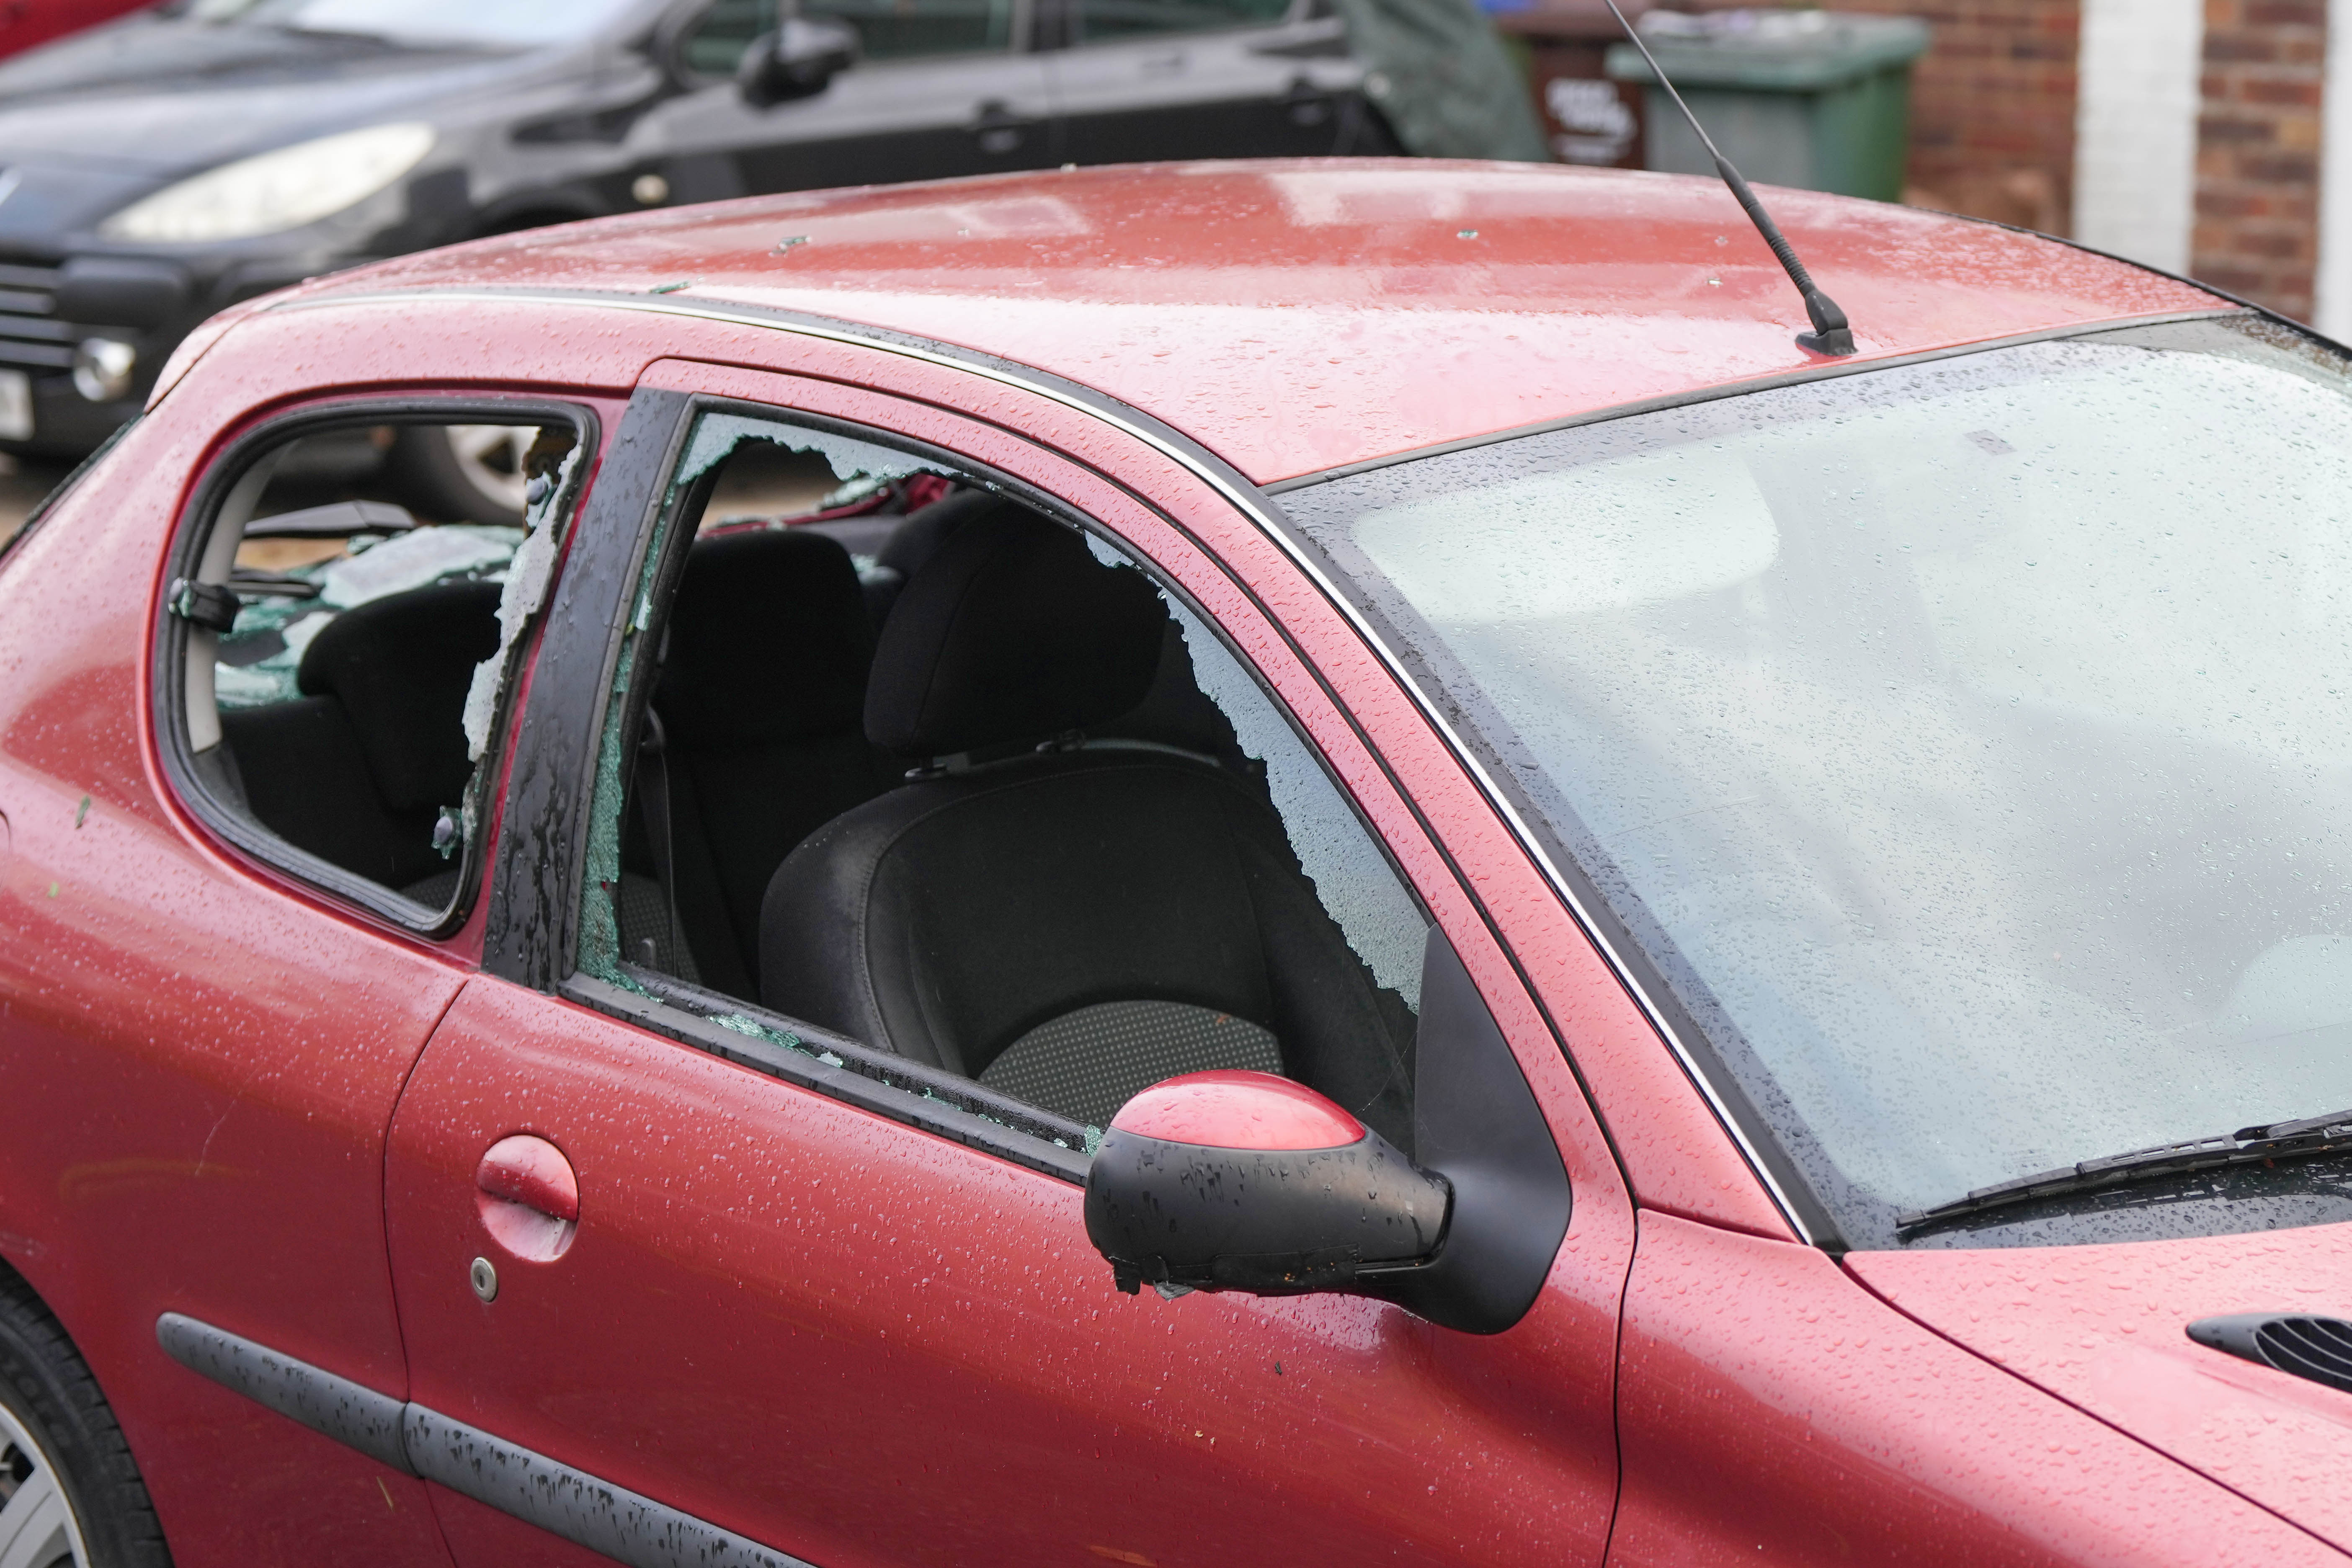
[1831,335]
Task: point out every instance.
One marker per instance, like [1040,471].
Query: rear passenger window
[343,625]
[924,783]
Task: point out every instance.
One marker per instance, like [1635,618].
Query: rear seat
[356,770]
[763,696]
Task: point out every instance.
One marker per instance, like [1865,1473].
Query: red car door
[678,1283]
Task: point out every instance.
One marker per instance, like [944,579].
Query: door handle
[998,130]
[527,1197]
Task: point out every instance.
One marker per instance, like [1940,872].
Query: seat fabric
[357,769]
[762,694]
[964,912]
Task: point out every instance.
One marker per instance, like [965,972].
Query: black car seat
[914,542]
[358,768]
[1067,924]
[761,696]
[1172,712]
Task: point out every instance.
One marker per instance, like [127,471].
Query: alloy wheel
[37,1527]
[491,457]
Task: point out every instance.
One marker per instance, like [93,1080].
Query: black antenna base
[1831,335]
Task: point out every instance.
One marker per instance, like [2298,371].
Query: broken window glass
[351,624]
[1127,864]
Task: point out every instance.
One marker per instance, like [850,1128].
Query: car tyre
[462,473]
[69,1485]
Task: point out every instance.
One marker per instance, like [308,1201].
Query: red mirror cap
[1234,1109]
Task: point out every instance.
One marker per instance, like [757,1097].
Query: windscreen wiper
[2279,1141]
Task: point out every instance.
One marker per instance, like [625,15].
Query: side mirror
[799,59]
[1244,1181]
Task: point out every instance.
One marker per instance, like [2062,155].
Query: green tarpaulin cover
[1440,76]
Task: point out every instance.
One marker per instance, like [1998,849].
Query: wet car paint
[2105,1329]
[1755,1359]
[1297,317]
[198,1064]
[1768,1406]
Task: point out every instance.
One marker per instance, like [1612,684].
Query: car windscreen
[496,23]
[1965,746]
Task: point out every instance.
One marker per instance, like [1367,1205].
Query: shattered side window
[907,778]
[737,475]
[351,626]
[1352,877]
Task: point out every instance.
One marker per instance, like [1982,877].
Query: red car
[1661,947]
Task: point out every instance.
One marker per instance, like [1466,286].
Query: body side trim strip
[612,1521]
[1244,495]
[352,1414]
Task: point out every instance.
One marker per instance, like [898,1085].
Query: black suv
[162,167]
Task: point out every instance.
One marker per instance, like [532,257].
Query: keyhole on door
[484,1280]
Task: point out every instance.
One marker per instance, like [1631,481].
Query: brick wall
[2257,231]
[1992,104]
[1992,127]
[1993,107]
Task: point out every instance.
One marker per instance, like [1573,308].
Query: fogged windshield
[1968,745]
[507,24]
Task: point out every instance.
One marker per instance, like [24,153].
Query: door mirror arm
[799,59]
[1241,1181]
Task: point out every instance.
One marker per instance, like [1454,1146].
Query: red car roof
[1297,316]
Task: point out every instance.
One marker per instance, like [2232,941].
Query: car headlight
[275,191]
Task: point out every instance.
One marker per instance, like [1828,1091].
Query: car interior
[942,779]
[919,765]
[338,621]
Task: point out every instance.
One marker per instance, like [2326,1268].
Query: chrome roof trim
[1229,482]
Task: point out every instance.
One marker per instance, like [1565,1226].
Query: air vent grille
[30,333]
[2317,1348]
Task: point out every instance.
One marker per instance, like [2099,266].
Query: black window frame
[533,937]
[191,535]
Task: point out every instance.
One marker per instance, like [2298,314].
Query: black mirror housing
[1237,1180]
[799,59]
[1244,1181]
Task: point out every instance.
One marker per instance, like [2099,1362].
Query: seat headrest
[401,665]
[1011,631]
[769,641]
[917,538]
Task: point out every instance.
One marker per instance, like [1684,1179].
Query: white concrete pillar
[2135,127]
[2333,312]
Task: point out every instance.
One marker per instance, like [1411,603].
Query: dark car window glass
[893,31]
[1173,885]
[714,46]
[1969,745]
[1107,21]
[511,24]
[349,628]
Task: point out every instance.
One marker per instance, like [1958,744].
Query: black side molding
[352,1414]
[612,1521]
